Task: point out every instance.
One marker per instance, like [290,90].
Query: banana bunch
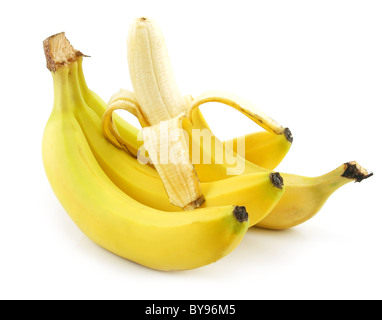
[145,195]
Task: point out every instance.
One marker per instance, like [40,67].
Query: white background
[315,66]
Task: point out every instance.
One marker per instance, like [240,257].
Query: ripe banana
[161,107]
[262,148]
[303,197]
[151,73]
[156,239]
[311,194]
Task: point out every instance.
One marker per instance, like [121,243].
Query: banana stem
[59,52]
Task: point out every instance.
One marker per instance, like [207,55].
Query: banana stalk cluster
[170,196]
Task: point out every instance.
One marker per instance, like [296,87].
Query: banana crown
[59,52]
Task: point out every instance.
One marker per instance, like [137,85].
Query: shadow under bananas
[266,244]
[259,244]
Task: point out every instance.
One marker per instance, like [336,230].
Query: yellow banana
[156,239]
[161,109]
[262,148]
[311,194]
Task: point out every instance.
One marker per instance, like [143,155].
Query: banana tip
[240,213]
[276,179]
[142,21]
[288,135]
[195,204]
[354,171]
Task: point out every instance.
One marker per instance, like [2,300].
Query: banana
[151,73]
[161,109]
[155,239]
[258,192]
[217,170]
[304,196]
[262,148]
[311,193]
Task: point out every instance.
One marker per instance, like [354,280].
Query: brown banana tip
[354,171]
[198,202]
[240,213]
[276,179]
[288,135]
[59,52]
[195,204]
